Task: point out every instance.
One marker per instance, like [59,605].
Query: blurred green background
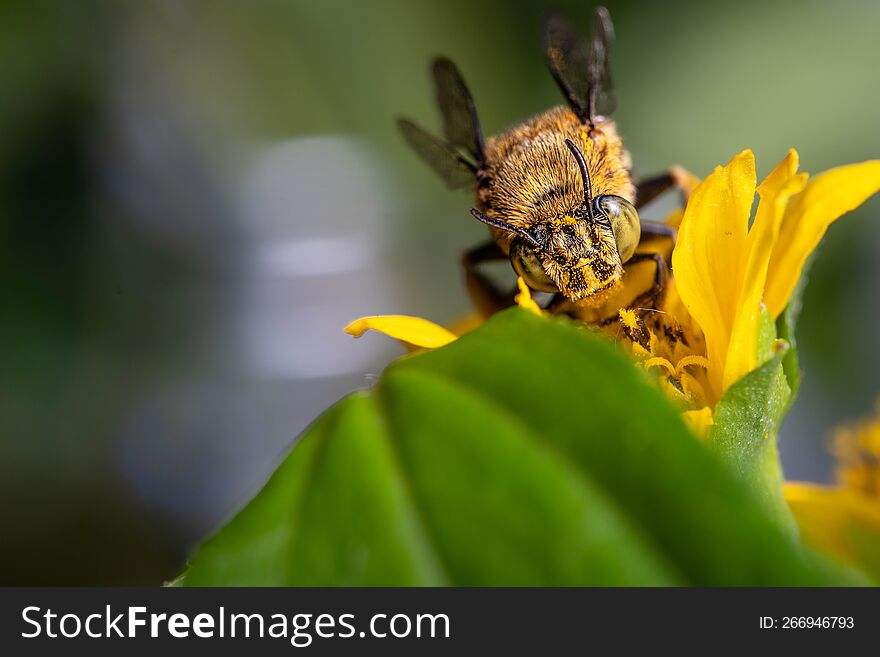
[196,196]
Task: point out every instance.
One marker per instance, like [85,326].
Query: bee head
[580,253]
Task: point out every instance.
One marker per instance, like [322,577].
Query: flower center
[664,349]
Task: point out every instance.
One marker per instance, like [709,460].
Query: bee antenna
[585,176]
[503,225]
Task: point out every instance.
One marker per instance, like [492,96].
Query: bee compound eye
[624,220]
[527,264]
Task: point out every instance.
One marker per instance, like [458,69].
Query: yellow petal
[675,308]
[709,255]
[825,198]
[699,421]
[412,330]
[839,520]
[524,298]
[774,191]
[693,390]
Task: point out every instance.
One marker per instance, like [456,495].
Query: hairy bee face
[572,254]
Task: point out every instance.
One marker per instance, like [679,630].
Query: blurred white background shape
[318,215]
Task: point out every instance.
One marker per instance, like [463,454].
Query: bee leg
[676,177]
[652,295]
[483,292]
[657,238]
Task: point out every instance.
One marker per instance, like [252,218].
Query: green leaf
[747,420]
[865,545]
[528,452]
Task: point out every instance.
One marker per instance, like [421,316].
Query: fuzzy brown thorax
[531,181]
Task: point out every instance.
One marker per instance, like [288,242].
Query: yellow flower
[725,270]
[673,357]
[415,332]
[845,519]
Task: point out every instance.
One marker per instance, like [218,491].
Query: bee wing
[582,70]
[443,158]
[602,97]
[460,123]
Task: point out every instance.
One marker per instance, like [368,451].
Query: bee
[556,191]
